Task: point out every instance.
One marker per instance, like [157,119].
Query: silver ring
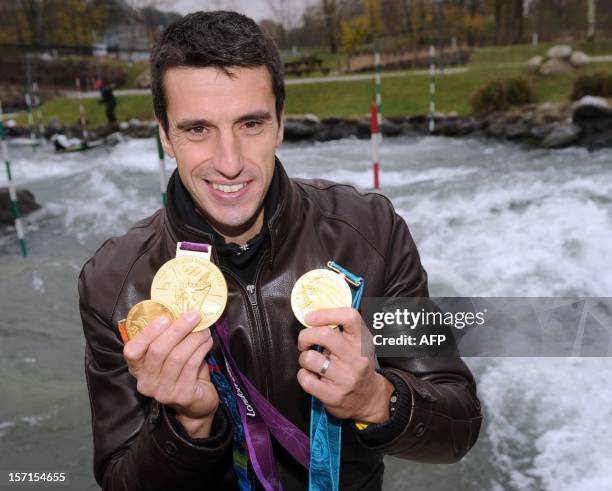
[325,366]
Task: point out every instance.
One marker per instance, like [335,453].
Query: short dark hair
[219,39]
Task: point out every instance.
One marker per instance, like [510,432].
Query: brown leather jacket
[135,444]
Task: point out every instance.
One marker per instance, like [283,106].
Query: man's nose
[227,158]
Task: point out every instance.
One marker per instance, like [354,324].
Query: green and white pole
[11,186]
[432,88]
[163,181]
[77,82]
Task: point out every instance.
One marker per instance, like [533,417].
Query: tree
[283,12]
[330,14]
[355,32]
[374,20]
[591,19]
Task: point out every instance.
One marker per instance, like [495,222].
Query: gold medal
[319,289]
[143,313]
[191,283]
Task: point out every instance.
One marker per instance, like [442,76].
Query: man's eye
[197,130]
[253,127]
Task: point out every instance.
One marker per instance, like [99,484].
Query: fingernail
[193,316]
[309,318]
[163,321]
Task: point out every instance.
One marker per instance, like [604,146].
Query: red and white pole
[375,143]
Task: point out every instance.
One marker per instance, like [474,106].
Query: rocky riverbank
[587,122]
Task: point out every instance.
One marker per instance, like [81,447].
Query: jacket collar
[279,221]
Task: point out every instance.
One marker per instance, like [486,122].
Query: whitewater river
[489,218]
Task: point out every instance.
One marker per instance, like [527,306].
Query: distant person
[109,100]
[64,144]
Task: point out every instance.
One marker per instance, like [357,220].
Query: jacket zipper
[251,291]
[259,335]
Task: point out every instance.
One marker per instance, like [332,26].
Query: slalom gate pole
[375,144]
[77,82]
[163,182]
[432,88]
[12,192]
[378,85]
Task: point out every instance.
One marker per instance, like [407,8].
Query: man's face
[223,132]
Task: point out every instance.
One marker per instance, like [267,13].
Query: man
[218,94]
[109,100]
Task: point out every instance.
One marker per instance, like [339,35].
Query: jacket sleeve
[445,415]
[136,442]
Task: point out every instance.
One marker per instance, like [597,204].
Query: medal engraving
[319,289]
[145,312]
[191,283]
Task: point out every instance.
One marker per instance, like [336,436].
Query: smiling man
[226,159]
[160,416]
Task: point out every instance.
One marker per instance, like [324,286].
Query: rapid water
[490,219]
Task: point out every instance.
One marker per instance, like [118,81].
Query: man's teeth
[228,189]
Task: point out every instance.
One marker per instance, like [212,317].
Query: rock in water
[589,100]
[27,204]
[562,135]
[591,112]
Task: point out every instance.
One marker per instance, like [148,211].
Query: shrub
[597,84]
[58,71]
[499,95]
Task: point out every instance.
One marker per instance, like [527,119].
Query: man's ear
[165,141]
[281,128]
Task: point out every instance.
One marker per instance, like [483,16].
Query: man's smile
[228,190]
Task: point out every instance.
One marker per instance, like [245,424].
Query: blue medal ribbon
[326,429]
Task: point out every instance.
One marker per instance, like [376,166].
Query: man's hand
[351,387]
[169,363]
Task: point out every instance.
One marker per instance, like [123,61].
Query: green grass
[520,53]
[404,95]
[133,72]
[409,94]
[67,110]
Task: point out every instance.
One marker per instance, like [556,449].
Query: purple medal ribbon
[259,417]
[289,435]
[257,437]
[194,246]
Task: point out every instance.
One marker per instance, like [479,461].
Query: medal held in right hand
[314,290]
[145,312]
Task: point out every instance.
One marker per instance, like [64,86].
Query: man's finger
[161,347]
[137,347]
[329,338]
[347,317]
[315,362]
[178,357]
[324,390]
[188,379]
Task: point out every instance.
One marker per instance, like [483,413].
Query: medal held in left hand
[319,289]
